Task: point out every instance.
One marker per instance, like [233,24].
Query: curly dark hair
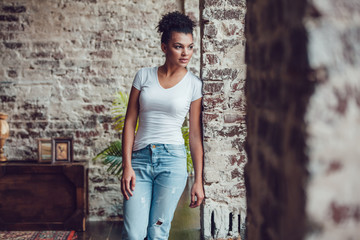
[174,21]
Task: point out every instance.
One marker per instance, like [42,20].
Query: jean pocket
[175,150]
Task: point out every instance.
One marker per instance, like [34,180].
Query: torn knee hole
[159,223]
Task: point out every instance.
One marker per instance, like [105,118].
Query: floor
[101,231]
[185,225]
[112,231]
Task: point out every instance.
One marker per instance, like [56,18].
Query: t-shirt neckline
[157,79]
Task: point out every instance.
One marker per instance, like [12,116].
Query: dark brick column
[277,91]
[303,114]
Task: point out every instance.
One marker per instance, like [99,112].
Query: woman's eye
[191,47]
[177,47]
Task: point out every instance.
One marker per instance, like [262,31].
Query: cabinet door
[40,197]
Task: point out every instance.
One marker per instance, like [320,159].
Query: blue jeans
[161,176]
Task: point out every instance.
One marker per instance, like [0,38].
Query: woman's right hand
[128,182]
[128,136]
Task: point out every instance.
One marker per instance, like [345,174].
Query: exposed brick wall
[60,66]
[192,9]
[223,74]
[333,118]
[302,116]
[61,63]
[277,91]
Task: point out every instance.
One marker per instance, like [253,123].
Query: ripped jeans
[161,176]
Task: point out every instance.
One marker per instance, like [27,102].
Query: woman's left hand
[197,194]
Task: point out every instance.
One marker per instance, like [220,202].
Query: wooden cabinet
[43,196]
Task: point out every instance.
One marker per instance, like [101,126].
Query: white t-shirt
[162,111]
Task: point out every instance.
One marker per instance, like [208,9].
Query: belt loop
[166,148]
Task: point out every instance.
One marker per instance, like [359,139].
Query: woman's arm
[128,135]
[197,153]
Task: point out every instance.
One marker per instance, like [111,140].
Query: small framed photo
[44,150]
[62,150]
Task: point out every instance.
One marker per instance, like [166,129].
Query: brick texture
[61,64]
[333,116]
[223,73]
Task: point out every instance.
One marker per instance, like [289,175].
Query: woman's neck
[169,70]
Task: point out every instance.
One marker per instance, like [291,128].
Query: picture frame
[44,150]
[62,149]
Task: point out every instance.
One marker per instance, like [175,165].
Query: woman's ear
[163,47]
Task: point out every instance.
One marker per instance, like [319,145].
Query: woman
[154,161]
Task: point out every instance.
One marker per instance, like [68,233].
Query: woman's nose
[185,52]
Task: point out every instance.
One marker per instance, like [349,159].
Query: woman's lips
[184,60]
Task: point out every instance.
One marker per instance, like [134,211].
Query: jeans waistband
[166,145]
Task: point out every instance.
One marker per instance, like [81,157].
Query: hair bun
[175,21]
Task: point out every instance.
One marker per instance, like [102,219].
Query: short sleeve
[197,89]
[137,83]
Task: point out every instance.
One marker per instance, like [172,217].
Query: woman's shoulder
[145,70]
[145,75]
[194,79]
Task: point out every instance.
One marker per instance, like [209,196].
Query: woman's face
[179,49]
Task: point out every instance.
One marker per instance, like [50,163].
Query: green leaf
[112,155]
[185,133]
